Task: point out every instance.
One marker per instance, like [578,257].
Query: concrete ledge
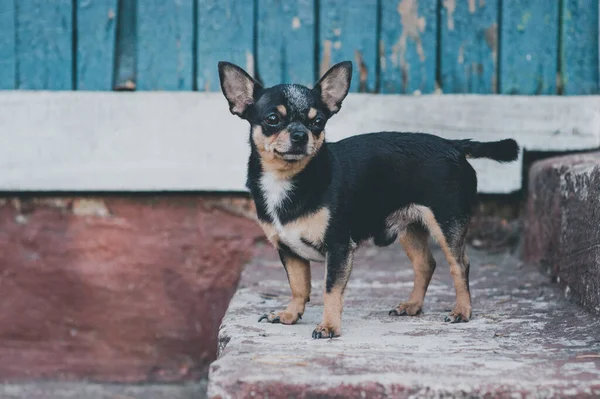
[562,223]
[165,141]
[525,340]
[82,390]
[116,288]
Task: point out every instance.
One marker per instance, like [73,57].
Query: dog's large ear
[238,87]
[334,85]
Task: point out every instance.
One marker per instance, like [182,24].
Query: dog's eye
[319,122]
[272,120]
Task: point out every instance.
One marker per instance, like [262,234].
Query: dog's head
[287,120]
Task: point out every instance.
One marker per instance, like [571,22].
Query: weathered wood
[225,33]
[579,57]
[44,44]
[529,47]
[347,32]
[286,41]
[469,44]
[7,45]
[189,141]
[96,33]
[165,32]
[126,47]
[408,46]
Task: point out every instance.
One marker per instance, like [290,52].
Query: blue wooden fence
[398,46]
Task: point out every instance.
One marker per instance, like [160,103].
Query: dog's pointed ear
[334,85]
[238,87]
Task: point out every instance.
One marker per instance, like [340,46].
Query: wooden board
[469,46]
[165,55]
[286,42]
[96,34]
[579,37]
[7,45]
[408,46]
[347,32]
[155,141]
[225,33]
[529,47]
[44,44]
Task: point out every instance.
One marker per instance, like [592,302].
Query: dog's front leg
[339,267]
[298,272]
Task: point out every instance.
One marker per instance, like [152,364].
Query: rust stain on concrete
[412,26]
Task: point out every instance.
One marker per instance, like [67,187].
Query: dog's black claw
[331,335]
[393,312]
[447,319]
[316,334]
[396,313]
[457,319]
[299,316]
[276,320]
[265,316]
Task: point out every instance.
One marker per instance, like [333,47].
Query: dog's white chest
[295,234]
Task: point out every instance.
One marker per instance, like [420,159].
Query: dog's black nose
[299,137]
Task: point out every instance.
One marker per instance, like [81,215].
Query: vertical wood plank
[579,55]
[408,45]
[7,45]
[469,43]
[286,41]
[348,31]
[165,32]
[44,44]
[225,33]
[96,33]
[529,47]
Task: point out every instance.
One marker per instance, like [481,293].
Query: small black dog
[317,201]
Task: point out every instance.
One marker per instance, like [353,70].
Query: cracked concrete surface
[525,338]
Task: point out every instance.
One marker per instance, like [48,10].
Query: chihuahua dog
[317,201]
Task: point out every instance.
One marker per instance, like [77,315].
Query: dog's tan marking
[312,113]
[458,272]
[282,110]
[270,233]
[273,162]
[332,313]
[298,271]
[415,243]
[310,228]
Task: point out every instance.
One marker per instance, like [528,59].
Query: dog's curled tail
[501,151]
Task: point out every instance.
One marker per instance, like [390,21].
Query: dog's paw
[326,331]
[406,309]
[283,317]
[460,314]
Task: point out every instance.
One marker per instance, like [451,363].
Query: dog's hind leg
[459,268]
[452,242]
[414,240]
